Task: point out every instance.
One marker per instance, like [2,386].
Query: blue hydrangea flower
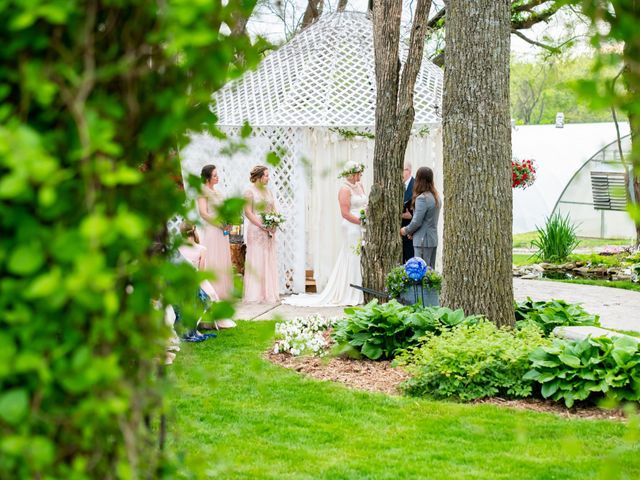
[415,268]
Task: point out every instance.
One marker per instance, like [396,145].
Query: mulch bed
[379,376]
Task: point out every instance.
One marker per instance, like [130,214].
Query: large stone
[580,333]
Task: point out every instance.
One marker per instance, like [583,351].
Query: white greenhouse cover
[559,153]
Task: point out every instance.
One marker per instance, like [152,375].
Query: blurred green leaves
[95,102]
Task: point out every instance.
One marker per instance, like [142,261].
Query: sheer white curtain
[326,153]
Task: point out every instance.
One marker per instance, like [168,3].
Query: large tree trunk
[631,79]
[477,160]
[382,247]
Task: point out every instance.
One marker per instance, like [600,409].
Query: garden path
[619,309]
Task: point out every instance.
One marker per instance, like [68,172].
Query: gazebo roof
[324,76]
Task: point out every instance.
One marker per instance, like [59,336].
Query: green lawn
[623,284]
[237,416]
[520,259]
[523,240]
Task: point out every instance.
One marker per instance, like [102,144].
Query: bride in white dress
[346,270]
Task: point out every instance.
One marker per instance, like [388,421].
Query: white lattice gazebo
[305,101]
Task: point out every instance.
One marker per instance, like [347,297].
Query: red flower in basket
[523,173]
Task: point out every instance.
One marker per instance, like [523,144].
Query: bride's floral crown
[351,168]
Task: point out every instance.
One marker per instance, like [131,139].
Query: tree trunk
[477,160]
[382,247]
[312,13]
[631,79]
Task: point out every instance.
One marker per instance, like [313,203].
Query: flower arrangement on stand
[415,274]
[523,173]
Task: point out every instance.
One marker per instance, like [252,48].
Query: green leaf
[246,130]
[371,351]
[273,159]
[14,405]
[570,360]
[26,259]
[549,388]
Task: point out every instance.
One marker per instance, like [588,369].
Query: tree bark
[382,247]
[312,13]
[631,79]
[477,273]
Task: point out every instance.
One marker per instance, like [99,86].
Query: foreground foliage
[238,416]
[590,369]
[94,100]
[473,361]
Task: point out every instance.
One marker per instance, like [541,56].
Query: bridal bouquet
[363,217]
[271,220]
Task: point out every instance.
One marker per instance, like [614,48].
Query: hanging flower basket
[523,173]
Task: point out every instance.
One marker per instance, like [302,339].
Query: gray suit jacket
[424,224]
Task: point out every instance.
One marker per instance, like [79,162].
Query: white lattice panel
[324,76]
[286,182]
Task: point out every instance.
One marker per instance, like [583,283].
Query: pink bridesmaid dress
[218,258]
[261,263]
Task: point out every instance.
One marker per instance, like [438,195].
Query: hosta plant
[551,314]
[378,331]
[587,370]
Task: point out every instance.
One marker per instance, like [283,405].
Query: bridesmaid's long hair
[424,183]
[206,172]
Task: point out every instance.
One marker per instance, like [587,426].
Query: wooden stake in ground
[382,248]
[477,160]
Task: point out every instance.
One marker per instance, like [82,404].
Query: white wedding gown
[346,270]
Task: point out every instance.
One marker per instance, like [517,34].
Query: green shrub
[377,331]
[588,369]
[398,281]
[555,313]
[472,361]
[556,240]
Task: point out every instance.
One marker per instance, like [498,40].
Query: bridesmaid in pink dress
[261,265]
[214,239]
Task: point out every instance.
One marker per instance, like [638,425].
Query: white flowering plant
[304,335]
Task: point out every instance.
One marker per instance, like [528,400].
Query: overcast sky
[276,19]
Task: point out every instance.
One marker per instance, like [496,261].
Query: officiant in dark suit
[407,244]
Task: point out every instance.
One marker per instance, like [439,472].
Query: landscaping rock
[580,333]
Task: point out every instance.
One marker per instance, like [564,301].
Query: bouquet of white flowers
[271,220]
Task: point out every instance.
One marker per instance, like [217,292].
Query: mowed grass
[237,416]
[523,240]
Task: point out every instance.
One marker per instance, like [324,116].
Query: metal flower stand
[416,293]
